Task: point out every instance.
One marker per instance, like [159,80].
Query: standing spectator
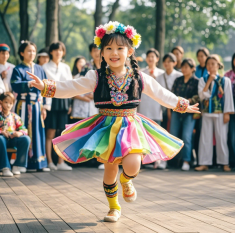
[43,57]
[95,55]
[147,105]
[187,87]
[28,104]
[57,117]
[231,74]
[83,105]
[167,80]
[215,93]
[178,51]
[12,134]
[5,69]
[202,55]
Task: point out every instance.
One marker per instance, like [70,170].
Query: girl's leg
[131,166]
[50,134]
[111,191]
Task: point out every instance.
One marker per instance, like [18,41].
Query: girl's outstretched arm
[166,98]
[65,89]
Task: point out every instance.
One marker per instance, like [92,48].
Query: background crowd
[29,122]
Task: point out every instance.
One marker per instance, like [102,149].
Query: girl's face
[57,54]
[201,57]
[178,55]
[212,66]
[80,63]
[7,104]
[169,64]
[187,70]
[29,53]
[115,54]
[152,59]
[4,55]
[43,60]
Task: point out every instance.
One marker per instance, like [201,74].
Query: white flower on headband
[22,42]
[110,27]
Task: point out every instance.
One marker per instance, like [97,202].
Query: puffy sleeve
[17,84]
[20,125]
[203,94]
[228,96]
[164,97]
[70,88]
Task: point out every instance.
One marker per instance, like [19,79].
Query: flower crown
[116,27]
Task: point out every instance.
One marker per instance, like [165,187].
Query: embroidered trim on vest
[97,80]
[125,102]
[117,112]
[49,88]
[182,105]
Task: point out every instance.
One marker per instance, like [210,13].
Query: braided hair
[107,40]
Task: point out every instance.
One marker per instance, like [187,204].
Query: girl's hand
[16,134]
[226,118]
[36,82]
[212,77]
[5,134]
[193,108]
[44,114]
[70,110]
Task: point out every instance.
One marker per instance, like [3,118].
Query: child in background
[178,51]
[231,75]
[95,55]
[29,104]
[215,92]
[202,55]
[187,87]
[12,134]
[83,105]
[5,69]
[117,134]
[148,106]
[43,56]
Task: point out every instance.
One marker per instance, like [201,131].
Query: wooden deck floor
[168,201]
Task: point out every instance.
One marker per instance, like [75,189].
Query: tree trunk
[59,22]
[24,20]
[8,30]
[36,21]
[98,13]
[51,21]
[114,10]
[160,28]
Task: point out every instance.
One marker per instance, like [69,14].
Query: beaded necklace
[119,86]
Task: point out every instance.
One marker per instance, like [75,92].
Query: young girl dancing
[117,134]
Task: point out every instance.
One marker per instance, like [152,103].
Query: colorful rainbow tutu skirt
[112,134]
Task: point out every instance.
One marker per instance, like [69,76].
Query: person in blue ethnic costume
[117,134]
[29,104]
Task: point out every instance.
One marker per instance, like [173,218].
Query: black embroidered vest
[104,101]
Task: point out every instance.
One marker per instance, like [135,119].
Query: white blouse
[5,84]
[68,89]
[228,96]
[148,106]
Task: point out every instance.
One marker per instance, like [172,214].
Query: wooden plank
[25,220]
[50,221]
[7,224]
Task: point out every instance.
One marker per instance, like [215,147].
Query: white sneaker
[22,169]
[162,165]
[52,166]
[16,170]
[6,172]
[101,166]
[64,167]
[185,167]
[46,169]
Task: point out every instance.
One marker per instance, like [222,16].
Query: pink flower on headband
[130,32]
[100,32]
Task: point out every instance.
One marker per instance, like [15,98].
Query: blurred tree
[98,13]
[24,20]
[51,21]
[36,20]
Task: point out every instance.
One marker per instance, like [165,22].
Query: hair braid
[135,67]
[103,77]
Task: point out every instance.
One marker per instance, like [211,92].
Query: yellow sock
[111,192]
[125,178]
